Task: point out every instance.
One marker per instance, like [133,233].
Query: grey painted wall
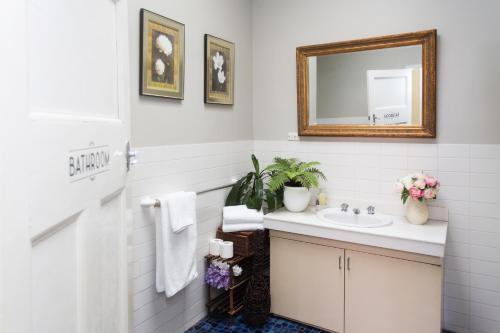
[160,121]
[342,89]
[468,90]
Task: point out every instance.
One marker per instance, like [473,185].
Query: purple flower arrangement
[217,275]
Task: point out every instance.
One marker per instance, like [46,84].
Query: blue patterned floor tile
[237,325]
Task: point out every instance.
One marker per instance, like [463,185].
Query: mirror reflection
[376,87]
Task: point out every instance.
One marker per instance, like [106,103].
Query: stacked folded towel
[241,218]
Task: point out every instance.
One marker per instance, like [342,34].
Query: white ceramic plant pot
[296,199]
[417,212]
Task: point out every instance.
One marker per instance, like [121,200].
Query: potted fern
[250,190]
[296,178]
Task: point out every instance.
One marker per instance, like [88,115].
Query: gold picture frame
[161,56]
[427,129]
[219,71]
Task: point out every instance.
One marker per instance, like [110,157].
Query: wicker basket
[242,241]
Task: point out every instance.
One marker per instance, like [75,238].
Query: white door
[64,243]
[390,96]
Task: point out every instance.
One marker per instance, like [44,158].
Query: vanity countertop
[428,239]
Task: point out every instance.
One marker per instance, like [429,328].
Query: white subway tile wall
[364,173]
[167,169]
[359,173]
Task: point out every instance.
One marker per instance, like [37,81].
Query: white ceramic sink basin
[349,219]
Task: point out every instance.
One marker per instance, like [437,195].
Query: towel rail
[149,202]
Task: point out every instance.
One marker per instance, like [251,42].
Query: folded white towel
[242,227]
[175,253]
[241,214]
[181,209]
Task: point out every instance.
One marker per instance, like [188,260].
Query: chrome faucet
[344,207]
[371,210]
[356,211]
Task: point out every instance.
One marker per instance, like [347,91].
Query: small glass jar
[322,199]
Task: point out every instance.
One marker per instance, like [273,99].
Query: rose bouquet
[418,186]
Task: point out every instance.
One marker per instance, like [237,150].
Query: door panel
[54,277]
[56,191]
[100,270]
[390,96]
[307,283]
[391,295]
[72,57]
[70,246]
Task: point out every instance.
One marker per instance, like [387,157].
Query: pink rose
[429,193]
[431,181]
[416,193]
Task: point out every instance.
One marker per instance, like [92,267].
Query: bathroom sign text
[88,162]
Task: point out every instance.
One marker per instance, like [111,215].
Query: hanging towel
[242,227]
[175,253]
[241,214]
[182,210]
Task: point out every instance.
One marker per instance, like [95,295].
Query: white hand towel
[241,214]
[182,210]
[242,227]
[175,253]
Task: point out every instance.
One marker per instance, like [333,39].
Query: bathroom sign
[392,115]
[88,162]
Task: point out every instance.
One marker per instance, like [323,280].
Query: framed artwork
[219,71]
[161,57]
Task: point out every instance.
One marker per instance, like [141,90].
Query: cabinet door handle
[348,263]
[340,262]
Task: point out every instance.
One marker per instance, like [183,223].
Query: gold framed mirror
[374,87]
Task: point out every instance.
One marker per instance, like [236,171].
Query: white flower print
[159,67]
[221,77]
[218,61]
[164,44]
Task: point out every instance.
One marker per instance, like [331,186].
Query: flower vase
[417,211]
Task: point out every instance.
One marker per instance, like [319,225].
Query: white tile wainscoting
[357,173]
[363,173]
[166,169]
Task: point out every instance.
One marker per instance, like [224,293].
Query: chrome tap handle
[356,211]
[371,210]
[344,207]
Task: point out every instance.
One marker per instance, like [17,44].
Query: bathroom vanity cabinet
[353,288]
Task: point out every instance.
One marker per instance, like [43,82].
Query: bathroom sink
[349,219]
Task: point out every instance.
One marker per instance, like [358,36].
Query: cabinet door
[307,283]
[391,295]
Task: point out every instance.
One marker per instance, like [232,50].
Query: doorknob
[131,156]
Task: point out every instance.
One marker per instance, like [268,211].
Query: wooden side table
[230,301]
